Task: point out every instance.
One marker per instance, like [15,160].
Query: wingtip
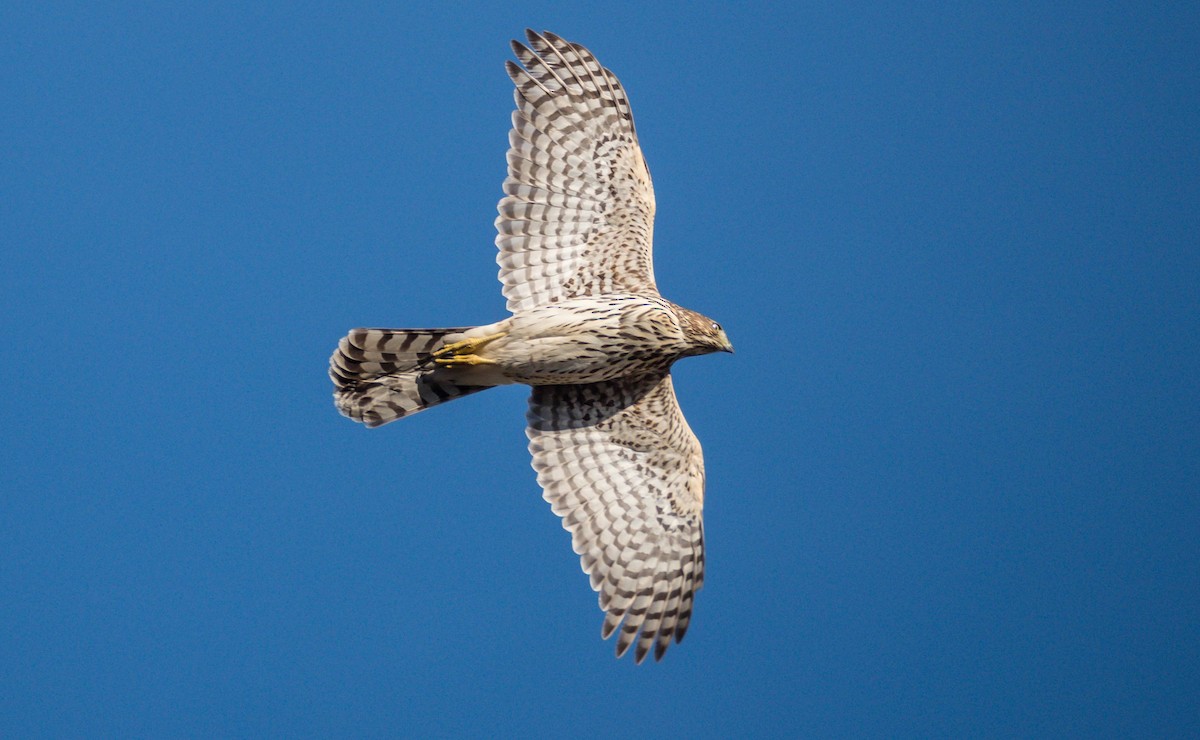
[639,655]
[660,649]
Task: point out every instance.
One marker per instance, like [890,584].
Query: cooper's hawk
[589,331]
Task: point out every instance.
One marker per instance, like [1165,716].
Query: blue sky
[953,468]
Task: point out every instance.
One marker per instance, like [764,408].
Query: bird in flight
[591,335]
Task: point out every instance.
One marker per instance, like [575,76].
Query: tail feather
[386,374]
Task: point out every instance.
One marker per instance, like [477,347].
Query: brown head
[703,334]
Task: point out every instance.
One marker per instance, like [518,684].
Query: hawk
[589,332]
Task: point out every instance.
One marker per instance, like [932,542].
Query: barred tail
[385,374]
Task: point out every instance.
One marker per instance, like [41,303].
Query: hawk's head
[704,334]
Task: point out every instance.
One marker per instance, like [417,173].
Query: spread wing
[618,462]
[578,213]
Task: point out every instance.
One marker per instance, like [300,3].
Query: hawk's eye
[716,326]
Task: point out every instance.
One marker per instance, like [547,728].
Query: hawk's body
[589,332]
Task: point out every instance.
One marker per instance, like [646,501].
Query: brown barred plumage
[386,374]
[592,336]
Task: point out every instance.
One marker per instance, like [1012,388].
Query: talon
[453,348]
[466,347]
[464,360]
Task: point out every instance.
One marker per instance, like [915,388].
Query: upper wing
[618,462]
[578,214]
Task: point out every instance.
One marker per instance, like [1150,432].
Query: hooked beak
[726,345]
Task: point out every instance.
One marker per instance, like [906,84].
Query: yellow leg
[463,360]
[466,351]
